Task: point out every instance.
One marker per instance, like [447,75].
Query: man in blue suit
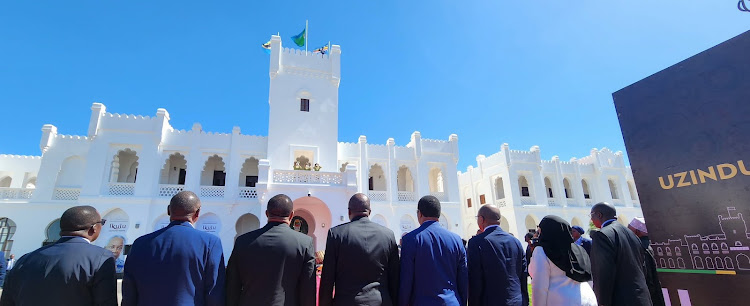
[433,262]
[497,264]
[176,265]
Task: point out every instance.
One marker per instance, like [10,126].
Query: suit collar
[73,239]
[491,228]
[608,222]
[183,223]
[362,218]
[429,223]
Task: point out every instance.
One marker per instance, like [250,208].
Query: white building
[527,188]
[128,167]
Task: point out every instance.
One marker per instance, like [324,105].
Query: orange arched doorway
[311,215]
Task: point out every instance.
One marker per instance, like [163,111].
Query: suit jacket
[586,244]
[69,272]
[617,267]
[497,265]
[3,268]
[274,265]
[652,277]
[176,265]
[433,267]
[362,262]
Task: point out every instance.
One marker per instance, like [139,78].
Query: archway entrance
[245,224]
[313,218]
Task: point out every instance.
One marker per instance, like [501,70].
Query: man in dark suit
[3,268]
[433,262]
[617,265]
[71,271]
[274,265]
[361,261]
[584,242]
[497,264]
[176,265]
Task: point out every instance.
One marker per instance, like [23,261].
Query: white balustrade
[377,195]
[551,202]
[308,177]
[15,193]
[212,191]
[248,193]
[527,201]
[440,195]
[66,194]
[407,196]
[121,189]
[589,202]
[168,190]
[501,203]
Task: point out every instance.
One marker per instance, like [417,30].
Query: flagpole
[306,37]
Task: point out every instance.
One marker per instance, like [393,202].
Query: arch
[318,217]
[709,263]
[568,192]
[161,222]
[586,190]
[697,262]
[53,231]
[724,248]
[245,224]
[377,178]
[7,230]
[668,251]
[694,247]
[743,262]
[728,263]
[531,222]
[404,179]
[30,183]
[407,224]
[214,172]
[633,193]
[677,251]
[504,224]
[124,166]
[576,222]
[209,223]
[5,182]
[548,187]
[718,263]
[680,263]
[445,222]
[435,180]
[715,248]
[302,162]
[663,263]
[670,261]
[114,235]
[174,170]
[379,219]
[613,189]
[704,246]
[523,184]
[499,188]
[659,251]
[249,172]
[71,172]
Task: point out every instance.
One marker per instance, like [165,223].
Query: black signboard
[687,133]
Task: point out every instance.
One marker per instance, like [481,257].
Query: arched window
[568,191]
[5,182]
[214,173]
[249,173]
[31,183]
[548,187]
[71,173]
[531,222]
[7,230]
[174,170]
[499,188]
[53,231]
[124,167]
[523,184]
[613,189]
[586,192]
[404,179]
[436,180]
[377,178]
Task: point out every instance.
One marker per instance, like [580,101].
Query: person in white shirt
[11,262]
[559,268]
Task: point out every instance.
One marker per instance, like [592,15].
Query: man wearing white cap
[638,227]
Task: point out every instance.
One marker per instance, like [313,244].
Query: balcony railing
[212,191]
[377,195]
[527,201]
[589,202]
[501,203]
[248,193]
[66,194]
[308,177]
[169,190]
[121,189]
[15,193]
[551,202]
[407,196]
[440,195]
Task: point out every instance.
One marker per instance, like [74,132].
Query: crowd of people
[362,263]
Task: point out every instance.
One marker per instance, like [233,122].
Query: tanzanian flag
[300,38]
[267,47]
[321,50]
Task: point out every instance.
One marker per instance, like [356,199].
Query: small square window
[304,105]
[468,202]
[482,200]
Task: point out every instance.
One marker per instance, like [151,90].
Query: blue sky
[522,72]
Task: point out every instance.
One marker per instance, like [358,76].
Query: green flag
[300,38]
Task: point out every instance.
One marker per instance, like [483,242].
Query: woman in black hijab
[559,268]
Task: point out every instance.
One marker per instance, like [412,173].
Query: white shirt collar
[491,226]
[89,241]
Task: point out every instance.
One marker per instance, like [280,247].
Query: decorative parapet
[10,156]
[308,177]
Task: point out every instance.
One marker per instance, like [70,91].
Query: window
[370,184]
[482,200]
[468,202]
[181,177]
[304,105]
[219,178]
[524,191]
[251,180]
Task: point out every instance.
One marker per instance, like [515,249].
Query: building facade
[527,188]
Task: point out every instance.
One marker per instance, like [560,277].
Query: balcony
[552,202]
[308,177]
[66,194]
[15,193]
[501,203]
[248,193]
[121,189]
[589,202]
[168,190]
[213,192]
[526,201]
[378,196]
[440,195]
[407,196]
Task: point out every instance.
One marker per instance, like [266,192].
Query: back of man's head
[184,203]
[490,213]
[280,206]
[78,218]
[607,210]
[528,236]
[429,206]
[359,203]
